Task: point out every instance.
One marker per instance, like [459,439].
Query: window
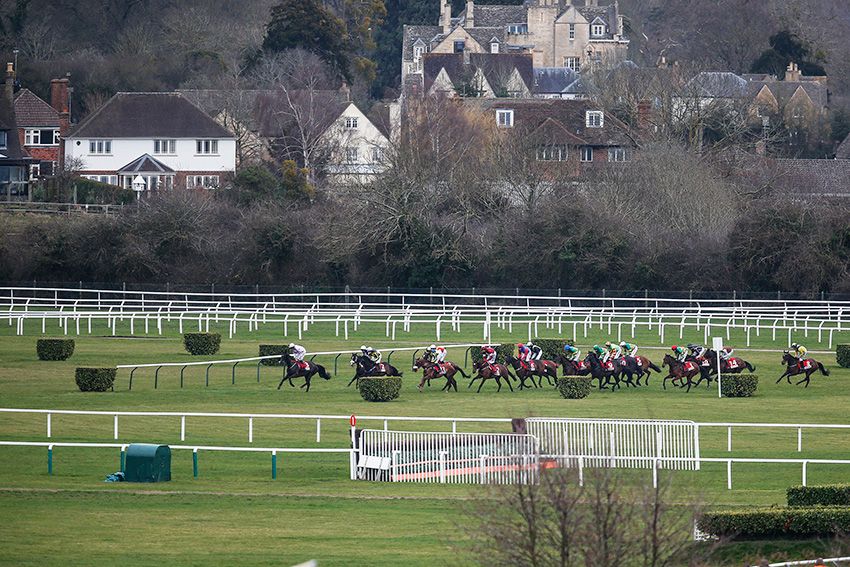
[41,137]
[208,147]
[594,119]
[110,179]
[572,31]
[518,29]
[586,154]
[552,153]
[351,155]
[505,118]
[377,155]
[494,47]
[459,46]
[192,181]
[351,123]
[165,146]
[597,30]
[103,147]
[2,138]
[418,50]
[618,154]
[572,63]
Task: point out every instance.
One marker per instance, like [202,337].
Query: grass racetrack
[235,514]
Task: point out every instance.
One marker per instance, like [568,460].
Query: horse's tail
[823,369]
[750,367]
[396,371]
[322,372]
[652,366]
[459,369]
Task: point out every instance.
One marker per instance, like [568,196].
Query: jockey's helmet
[795,346]
[607,343]
[291,345]
[623,344]
[364,347]
[674,347]
[432,347]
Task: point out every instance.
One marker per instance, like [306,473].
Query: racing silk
[699,351]
[375,356]
[536,352]
[614,351]
[629,349]
[572,352]
[681,354]
[801,352]
[439,355]
[726,353]
[488,354]
[525,354]
[298,352]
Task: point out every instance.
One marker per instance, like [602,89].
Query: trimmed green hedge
[779,522]
[552,348]
[54,349]
[502,351]
[739,385]
[202,343]
[379,388]
[272,350]
[824,495]
[842,355]
[574,387]
[95,379]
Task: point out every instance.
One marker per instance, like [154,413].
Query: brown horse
[495,371]
[638,366]
[732,365]
[681,371]
[304,370]
[539,368]
[364,368]
[574,367]
[795,367]
[431,370]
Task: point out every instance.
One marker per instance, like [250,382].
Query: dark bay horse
[363,369]
[495,371]
[306,370]
[431,370]
[604,372]
[795,367]
[574,367]
[681,371]
[733,365]
[638,366]
[539,368]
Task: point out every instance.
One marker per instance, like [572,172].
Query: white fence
[465,458]
[618,443]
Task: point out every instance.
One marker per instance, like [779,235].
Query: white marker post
[717,345]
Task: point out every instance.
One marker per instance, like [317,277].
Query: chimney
[10,82]
[60,101]
[470,14]
[344,92]
[792,73]
[644,115]
[446,15]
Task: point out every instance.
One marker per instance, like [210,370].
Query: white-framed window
[377,154]
[505,118]
[206,147]
[572,31]
[556,152]
[597,30]
[518,29]
[41,137]
[594,119]
[351,155]
[572,63]
[618,154]
[208,181]
[110,179]
[2,138]
[100,147]
[165,146]
[418,50]
[586,154]
[494,47]
[351,123]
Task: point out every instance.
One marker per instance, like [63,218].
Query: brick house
[42,126]
[14,160]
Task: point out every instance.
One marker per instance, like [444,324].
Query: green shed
[147,463]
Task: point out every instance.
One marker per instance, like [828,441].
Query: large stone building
[555,32]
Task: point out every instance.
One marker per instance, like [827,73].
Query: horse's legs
[282,380]
[508,382]
[306,382]
[349,384]
[481,384]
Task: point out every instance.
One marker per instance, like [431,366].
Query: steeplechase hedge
[738,385]
[778,522]
[842,355]
[95,379]
[273,350]
[380,388]
[824,495]
[54,349]
[574,387]
[502,351]
[552,348]
[202,343]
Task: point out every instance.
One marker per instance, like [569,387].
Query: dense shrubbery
[202,343]
[842,355]
[81,190]
[738,385]
[502,351]
[552,348]
[272,350]
[54,349]
[574,387]
[777,522]
[379,388]
[95,379]
[824,495]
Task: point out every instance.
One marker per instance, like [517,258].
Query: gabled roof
[843,151]
[496,67]
[149,115]
[713,84]
[32,111]
[607,14]
[320,108]
[550,80]
[13,153]
[411,34]
[145,163]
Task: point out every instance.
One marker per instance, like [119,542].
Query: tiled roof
[149,115]
[146,163]
[815,176]
[412,33]
[274,117]
[483,35]
[607,14]
[783,91]
[843,151]
[713,84]
[13,153]
[31,111]
[495,66]
[551,80]
[497,15]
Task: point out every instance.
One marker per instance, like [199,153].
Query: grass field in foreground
[234,513]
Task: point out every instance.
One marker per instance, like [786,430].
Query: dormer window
[459,46]
[594,119]
[418,50]
[2,139]
[494,47]
[518,29]
[505,118]
[597,30]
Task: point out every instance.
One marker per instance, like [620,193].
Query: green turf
[234,513]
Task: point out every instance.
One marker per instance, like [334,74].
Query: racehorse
[539,368]
[431,370]
[733,365]
[602,371]
[306,370]
[573,367]
[639,366]
[795,367]
[679,371]
[494,371]
[381,369]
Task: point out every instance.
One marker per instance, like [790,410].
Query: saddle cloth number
[733,363]
[689,366]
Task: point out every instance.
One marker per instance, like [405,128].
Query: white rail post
[443,455]
[482,462]
[655,473]
[48,426]
[182,427]
[729,474]
[799,439]
[394,472]
[318,430]
[115,427]
[804,472]
[250,430]
[729,438]
[581,471]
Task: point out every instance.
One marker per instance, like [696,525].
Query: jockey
[572,353]
[697,351]
[370,356]
[536,351]
[524,355]
[799,352]
[614,351]
[297,353]
[727,353]
[600,353]
[436,354]
[488,354]
[680,353]
[628,349]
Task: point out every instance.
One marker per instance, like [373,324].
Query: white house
[358,143]
[150,141]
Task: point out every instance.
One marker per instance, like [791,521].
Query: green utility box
[147,463]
